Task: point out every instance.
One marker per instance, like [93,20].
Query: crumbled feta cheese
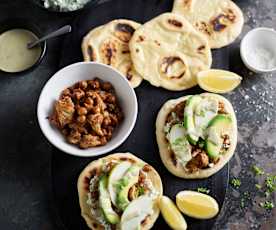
[65,5]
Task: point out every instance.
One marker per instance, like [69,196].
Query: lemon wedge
[197,205]
[218,81]
[171,214]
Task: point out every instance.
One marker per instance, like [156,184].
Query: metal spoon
[63,30]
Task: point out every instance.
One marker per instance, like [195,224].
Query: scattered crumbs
[246,97]
[245,197]
[236,183]
[203,190]
[254,87]
[242,202]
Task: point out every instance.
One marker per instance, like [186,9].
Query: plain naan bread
[220,21]
[163,143]
[108,44]
[168,52]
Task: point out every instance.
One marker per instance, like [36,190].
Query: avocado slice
[130,178]
[105,203]
[115,175]
[179,143]
[218,126]
[189,122]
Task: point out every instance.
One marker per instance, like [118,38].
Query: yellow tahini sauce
[14,54]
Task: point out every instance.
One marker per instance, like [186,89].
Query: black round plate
[141,142]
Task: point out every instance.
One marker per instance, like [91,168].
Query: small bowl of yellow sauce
[15,57]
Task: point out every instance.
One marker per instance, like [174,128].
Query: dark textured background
[25,155]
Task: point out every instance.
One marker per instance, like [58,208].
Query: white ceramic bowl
[259,43]
[84,71]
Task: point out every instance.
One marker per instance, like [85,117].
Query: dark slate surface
[25,155]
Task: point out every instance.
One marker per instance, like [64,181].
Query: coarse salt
[262,58]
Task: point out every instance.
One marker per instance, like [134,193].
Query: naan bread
[220,21]
[163,143]
[96,166]
[108,44]
[168,52]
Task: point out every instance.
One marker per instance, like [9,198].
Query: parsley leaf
[236,183]
[257,170]
[267,205]
[270,183]
[258,186]
[203,190]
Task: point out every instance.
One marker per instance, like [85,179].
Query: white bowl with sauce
[258,50]
[67,77]
[15,57]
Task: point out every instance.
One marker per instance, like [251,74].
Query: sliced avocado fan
[129,179]
[220,125]
[116,174]
[105,202]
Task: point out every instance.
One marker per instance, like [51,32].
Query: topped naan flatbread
[108,44]
[220,21]
[168,52]
[90,176]
[194,168]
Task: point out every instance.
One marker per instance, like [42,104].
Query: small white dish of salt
[258,50]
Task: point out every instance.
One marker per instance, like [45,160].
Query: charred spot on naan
[173,67]
[108,52]
[86,183]
[175,23]
[91,53]
[131,160]
[140,38]
[187,3]
[124,31]
[201,49]
[157,42]
[124,48]
[203,27]
[128,72]
[220,22]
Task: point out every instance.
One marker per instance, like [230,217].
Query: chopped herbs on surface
[270,183]
[258,186]
[267,205]
[203,190]
[236,183]
[257,170]
[267,188]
